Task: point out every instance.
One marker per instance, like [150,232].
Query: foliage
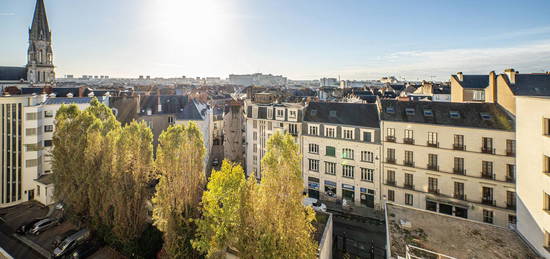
[180,165]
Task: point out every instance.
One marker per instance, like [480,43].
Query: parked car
[25,227]
[42,225]
[71,242]
[215,162]
[85,250]
[317,206]
[59,238]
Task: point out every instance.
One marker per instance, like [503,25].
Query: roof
[13,73]
[470,114]
[354,114]
[67,100]
[40,29]
[194,110]
[45,179]
[475,81]
[532,85]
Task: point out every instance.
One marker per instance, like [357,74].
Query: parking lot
[34,246]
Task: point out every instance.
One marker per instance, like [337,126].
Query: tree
[180,166]
[220,211]
[285,225]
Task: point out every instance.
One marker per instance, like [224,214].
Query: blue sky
[301,39]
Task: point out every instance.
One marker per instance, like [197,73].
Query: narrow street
[355,235]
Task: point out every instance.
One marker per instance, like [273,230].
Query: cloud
[528,58]
[7,14]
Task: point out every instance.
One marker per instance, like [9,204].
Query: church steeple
[40,69]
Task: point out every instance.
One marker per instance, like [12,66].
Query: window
[510,147]
[31,116]
[487,169]
[348,133]
[432,162]
[48,128]
[330,151]
[459,165]
[428,113]
[459,142]
[38,190]
[280,113]
[454,115]
[390,157]
[254,135]
[171,120]
[390,110]
[432,139]
[546,205]
[409,181]
[409,158]
[391,195]
[367,174]
[488,216]
[330,132]
[347,171]
[547,240]
[48,114]
[313,130]
[487,195]
[459,191]
[479,95]
[313,148]
[409,199]
[31,163]
[510,200]
[269,125]
[292,115]
[347,153]
[409,111]
[330,168]
[313,112]
[270,113]
[546,127]
[255,148]
[367,156]
[432,185]
[367,136]
[293,129]
[409,134]
[485,116]
[487,146]
[390,180]
[546,164]
[390,134]
[254,124]
[510,173]
[314,165]
[332,113]
[255,159]
[48,143]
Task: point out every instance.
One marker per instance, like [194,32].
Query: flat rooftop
[451,236]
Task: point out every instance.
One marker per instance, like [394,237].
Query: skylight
[390,110]
[485,116]
[332,113]
[428,113]
[454,114]
[409,111]
[313,112]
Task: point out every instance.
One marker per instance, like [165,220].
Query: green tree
[220,211]
[180,166]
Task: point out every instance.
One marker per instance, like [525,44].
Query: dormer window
[332,113]
[454,115]
[409,111]
[390,110]
[485,116]
[428,113]
[313,112]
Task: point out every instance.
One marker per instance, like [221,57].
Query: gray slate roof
[13,73]
[470,114]
[353,114]
[67,100]
[532,85]
[45,179]
[475,81]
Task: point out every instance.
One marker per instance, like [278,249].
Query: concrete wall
[325,246]
[532,182]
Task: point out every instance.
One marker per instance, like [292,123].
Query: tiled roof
[67,100]
[45,179]
[353,114]
[13,73]
[475,81]
[532,85]
[469,114]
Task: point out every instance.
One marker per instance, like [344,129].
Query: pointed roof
[40,29]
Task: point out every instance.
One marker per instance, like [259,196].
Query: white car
[317,206]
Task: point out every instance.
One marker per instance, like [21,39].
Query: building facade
[453,158]
[341,152]
[262,121]
[234,133]
[533,183]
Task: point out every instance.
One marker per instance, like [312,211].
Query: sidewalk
[355,210]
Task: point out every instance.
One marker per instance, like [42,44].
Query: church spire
[40,29]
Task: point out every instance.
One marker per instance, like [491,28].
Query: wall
[505,97]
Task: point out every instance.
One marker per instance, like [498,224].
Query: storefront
[367,197]
[330,188]
[313,187]
[348,192]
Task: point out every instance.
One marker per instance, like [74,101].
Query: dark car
[25,227]
[43,225]
[71,242]
[59,238]
[85,250]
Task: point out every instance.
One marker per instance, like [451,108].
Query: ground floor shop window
[445,209]
[431,206]
[313,187]
[348,192]
[330,189]
[461,212]
[367,197]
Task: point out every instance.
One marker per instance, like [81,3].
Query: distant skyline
[361,39]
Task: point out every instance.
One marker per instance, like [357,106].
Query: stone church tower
[40,69]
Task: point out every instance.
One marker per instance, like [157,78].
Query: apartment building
[27,125]
[533,163]
[473,88]
[453,158]
[341,152]
[262,121]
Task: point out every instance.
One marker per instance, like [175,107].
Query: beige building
[453,158]
[533,162]
[262,121]
[234,132]
[341,152]
[473,88]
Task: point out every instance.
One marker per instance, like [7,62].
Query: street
[355,234]
[12,246]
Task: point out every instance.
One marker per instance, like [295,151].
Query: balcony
[390,160]
[460,171]
[434,191]
[489,176]
[510,179]
[487,150]
[459,147]
[488,201]
[511,206]
[390,182]
[408,163]
[432,144]
[409,186]
[510,153]
[460,196]
[433,167]
[390,138]
[409,141]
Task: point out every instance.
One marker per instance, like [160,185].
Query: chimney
[158,101]
[511,73]
[460,76]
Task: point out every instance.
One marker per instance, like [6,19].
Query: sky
[300,39]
